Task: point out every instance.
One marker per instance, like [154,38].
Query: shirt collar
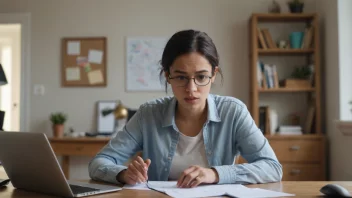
[213,114]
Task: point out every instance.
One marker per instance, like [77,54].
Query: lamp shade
[3,80]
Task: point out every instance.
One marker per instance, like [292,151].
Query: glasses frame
[194,80]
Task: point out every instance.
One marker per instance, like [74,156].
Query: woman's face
[191,93]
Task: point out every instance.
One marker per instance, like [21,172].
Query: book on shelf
[268,120]
[290,130]
[267,76]
[265,39]
[309,122]
[307,38]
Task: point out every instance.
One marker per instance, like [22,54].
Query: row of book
[266,41]
[267,76]
[269,122]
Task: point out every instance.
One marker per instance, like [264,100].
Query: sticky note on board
[87,67]
[73,73]
[73,48]
[95,56]
[81,61]
[95,77]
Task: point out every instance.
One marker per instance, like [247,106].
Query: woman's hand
[137,172]
[195,175]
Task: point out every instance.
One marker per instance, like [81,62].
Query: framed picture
[105,116]
[142,69]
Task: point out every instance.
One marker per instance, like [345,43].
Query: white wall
[226,21]
[336,30]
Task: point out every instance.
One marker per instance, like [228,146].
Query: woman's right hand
[137,172]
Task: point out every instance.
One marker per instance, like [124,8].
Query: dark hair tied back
[187,41]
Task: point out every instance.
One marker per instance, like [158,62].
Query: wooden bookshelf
[286,90]
[306,152]
[284,17]
[285,51]
[256,51]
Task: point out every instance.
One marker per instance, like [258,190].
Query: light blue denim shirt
[228,132]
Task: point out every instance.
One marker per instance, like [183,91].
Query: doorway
[10,59]
[15,60]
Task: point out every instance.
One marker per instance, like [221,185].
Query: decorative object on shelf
[296,6]
[58,120]
[274,7]
[282,44]
[296,39]
[300,78]
[303,72]
[296,83]
[294,119]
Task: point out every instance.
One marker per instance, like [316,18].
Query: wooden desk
[300,189]
[84,146]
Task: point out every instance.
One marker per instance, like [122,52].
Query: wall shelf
[274,52]
[286,90]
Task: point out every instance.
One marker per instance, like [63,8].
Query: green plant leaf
[58,118]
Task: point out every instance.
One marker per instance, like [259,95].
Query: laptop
[30,163]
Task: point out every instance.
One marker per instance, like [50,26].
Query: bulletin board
[84,62]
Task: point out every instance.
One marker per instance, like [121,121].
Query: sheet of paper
[255,193]
[171,189]
[73,73]
[142,186]
[95,56]
[73,48]
[234,190]
[95,77]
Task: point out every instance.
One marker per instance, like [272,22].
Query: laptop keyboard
[81,189]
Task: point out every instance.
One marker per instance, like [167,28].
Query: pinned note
[72,74]
[95,77]
[81,61]
[95,56]
[73,48]
[87,67]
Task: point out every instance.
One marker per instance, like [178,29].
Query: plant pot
[58,130]
[296,8]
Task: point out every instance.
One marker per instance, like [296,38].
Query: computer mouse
[335,190]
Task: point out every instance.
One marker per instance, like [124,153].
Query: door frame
[25,66]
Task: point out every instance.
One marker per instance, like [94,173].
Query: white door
[10,59]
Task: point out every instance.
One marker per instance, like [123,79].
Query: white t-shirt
[190,151]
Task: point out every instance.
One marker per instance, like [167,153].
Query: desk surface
[301,189]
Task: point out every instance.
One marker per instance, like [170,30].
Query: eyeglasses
[182,81]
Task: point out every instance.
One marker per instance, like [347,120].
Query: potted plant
[296,6]
[58,120]
[300,78]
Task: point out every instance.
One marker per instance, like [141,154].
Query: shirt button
[165,169]
[169,158]
[209,153]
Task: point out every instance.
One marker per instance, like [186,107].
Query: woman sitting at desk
[192,137]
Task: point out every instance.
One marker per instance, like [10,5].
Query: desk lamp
[120,113]
[3,81]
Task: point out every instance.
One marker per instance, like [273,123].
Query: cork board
[84,62]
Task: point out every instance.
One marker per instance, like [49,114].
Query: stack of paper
[233,190]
